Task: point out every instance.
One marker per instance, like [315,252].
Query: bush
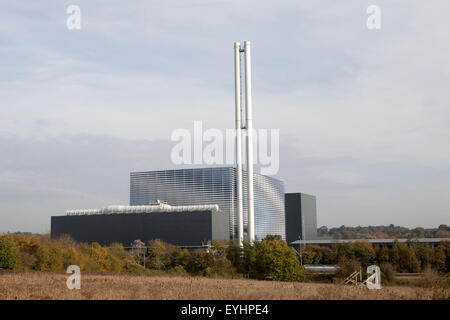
[65,241]
[424,254]
[439,258]
[275,260]
[120,259]
[363,251]
[164,256]
[26,260]
[248,258]
[234,255]
[101,259]
[382,254]
[407,260]
[221,268]
[8,253]
[73,256]
[180,257]
[28,246]
[328,255]
[49,256]
[312,255]
[387,273]
[347,267]
[158,255]
[200,261]
[178,271]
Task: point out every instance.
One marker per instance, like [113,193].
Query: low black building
[190,228]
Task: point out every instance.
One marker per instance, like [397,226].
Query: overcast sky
[364,115]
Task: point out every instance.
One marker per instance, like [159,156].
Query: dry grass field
[51,285]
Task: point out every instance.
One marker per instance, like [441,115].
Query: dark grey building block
[177,228]
[301,217]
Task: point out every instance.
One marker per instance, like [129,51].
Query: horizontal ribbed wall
[215,185]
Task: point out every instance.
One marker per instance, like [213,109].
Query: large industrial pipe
[237,81]
[249,126]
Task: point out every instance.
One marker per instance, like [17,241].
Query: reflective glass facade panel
[215,185]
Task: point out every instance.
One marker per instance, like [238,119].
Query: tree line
[270,258]
[383,232]
[403,257]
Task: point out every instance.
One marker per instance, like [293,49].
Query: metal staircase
[353,278]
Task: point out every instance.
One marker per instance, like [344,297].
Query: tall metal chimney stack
[237,81]
[249,151]
[249,126]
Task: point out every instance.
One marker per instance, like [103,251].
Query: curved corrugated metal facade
[215,185]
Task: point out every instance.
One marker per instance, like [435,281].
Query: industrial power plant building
[201,204]
[201,207]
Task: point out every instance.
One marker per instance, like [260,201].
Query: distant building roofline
[373,241]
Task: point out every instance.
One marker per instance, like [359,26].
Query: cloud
[41,178]
[363,115]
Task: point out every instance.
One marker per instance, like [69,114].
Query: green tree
[248,257]
[439,258]
[328,255]
[49,256]
[127,261]
[28,246]
[180,257]
[407,260]
[446,245]
[73,256]
[100,259]
[220,268]
[221,265]
[418,232]
[158,255]
[218,249]
[200,261]
[394,256]
[276,260]
[312,255]
[363,251]
[424,254]
[270,237]
[343,252]
[383,254]
[8,252]
[387,273]
[234,255]
[164,256]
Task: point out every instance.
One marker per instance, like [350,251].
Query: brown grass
[52,285]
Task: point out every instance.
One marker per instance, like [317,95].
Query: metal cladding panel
[220,226]
[214,185]
[309,213]
[301,217]
[180,228]
[269,206]
[293,217]
[186,187]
